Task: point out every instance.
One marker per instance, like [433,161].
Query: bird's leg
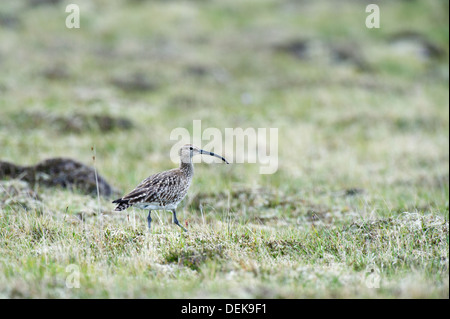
[149,219]
[175,220]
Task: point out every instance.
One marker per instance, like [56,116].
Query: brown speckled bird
[167,189]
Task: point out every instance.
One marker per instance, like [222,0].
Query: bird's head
[188,151]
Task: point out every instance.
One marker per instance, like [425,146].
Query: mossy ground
[361,193]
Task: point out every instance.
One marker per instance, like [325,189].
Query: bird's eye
[191,148]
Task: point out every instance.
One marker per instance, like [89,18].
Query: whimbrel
[167,189]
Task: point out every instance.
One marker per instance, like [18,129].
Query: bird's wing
[158,188]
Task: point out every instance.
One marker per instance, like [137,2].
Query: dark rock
[419,42]
[35,3]
[298,48]
[9,21]
[62,172]
[353,191]
[136,82]
[73,123]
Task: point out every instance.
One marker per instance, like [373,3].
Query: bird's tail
[122,204]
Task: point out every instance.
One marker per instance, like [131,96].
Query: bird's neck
[187,168]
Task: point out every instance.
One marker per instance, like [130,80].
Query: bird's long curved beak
[213,154]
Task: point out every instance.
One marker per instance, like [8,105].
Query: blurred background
[356,108]
[362,186]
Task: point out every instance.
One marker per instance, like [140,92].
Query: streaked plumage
[164,190]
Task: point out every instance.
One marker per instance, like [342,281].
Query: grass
[216,260]
[361,193]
